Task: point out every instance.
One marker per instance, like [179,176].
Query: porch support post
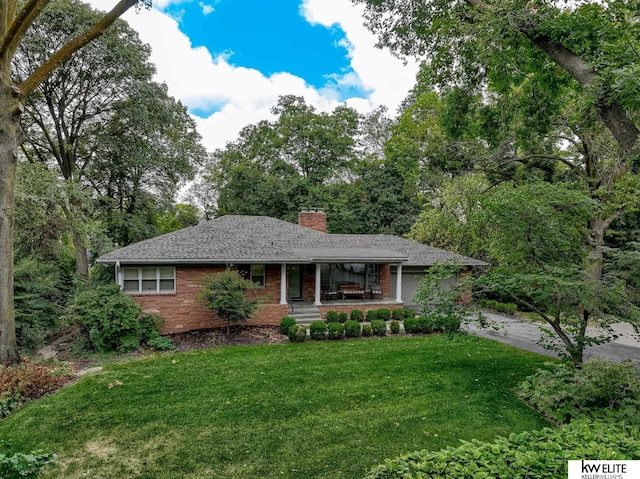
[399,283]
[317,286]
[283,283]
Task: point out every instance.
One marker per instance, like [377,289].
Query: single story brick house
[295,265]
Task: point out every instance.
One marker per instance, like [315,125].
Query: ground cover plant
[326,409]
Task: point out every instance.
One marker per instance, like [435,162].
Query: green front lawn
[311,410]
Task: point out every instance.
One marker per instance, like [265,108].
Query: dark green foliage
[366,330]
[600,390]
[24,466]
[39,297]
[297,333]
[409,313]
[378,327]
[372,314]
[533,454]
[160,343]
[398,314]
[336,330]
[318,330]
[352,329]
[411,325]
[447,324]
[286,323]
[384,314]
[331,316]
[10,401]
[342,317]
[108,318]
[227,294]
[357,315]
[394,326]
[509,308]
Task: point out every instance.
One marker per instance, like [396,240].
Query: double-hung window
[258,275]
[149,280]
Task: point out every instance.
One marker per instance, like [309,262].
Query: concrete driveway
[524,335]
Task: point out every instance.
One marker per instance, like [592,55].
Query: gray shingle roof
[261,239]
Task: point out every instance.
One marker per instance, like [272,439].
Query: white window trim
[140,279]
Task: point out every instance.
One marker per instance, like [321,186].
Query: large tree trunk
[9,139]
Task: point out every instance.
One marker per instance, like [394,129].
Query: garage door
[410,281]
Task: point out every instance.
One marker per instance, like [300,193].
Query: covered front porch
[339,284]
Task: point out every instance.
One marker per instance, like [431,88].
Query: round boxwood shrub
[409,313]
[342,317]
[297,333]
[336,330]
[384,314]
[357,315]
[447,324]
[394,326]
[398,314]
[366,330]
[411,325]
[352,329]
[425,324]
[317,330]
[379,327]
[286,323]
[331,316]
[372,315]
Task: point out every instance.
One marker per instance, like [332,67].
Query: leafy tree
[511,44]
[105,126]
[177,217]
[540,245]
[15,21]
[227,294]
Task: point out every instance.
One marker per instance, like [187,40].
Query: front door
[294,281]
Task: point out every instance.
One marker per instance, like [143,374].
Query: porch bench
[351,290]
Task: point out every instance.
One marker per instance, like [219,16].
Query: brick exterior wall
[183,312]
[316,220]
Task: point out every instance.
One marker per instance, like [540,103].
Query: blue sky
[229,60]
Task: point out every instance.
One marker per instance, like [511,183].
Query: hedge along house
[299,269]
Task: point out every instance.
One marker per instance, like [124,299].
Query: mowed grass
[311,410]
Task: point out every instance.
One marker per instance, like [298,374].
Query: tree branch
[19,26]
[67,50]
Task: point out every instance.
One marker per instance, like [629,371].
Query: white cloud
[244,95]
[206,9]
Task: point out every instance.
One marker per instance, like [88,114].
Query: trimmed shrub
[426,325]
[411,326]
[372,315]
[398,314]
[447,324]
[160,343]
[352,329]
[601,389]
[342,317]
[366,330]
[336,330]
[394,326]
[379,327]
[317,330]
[331,316]
[384,314]
[24,466]
[409,313]
[357,315]
[297,333]
[542,453]
[286,323]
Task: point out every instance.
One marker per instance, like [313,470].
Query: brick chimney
[313,218]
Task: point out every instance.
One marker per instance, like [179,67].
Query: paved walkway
[524,335]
